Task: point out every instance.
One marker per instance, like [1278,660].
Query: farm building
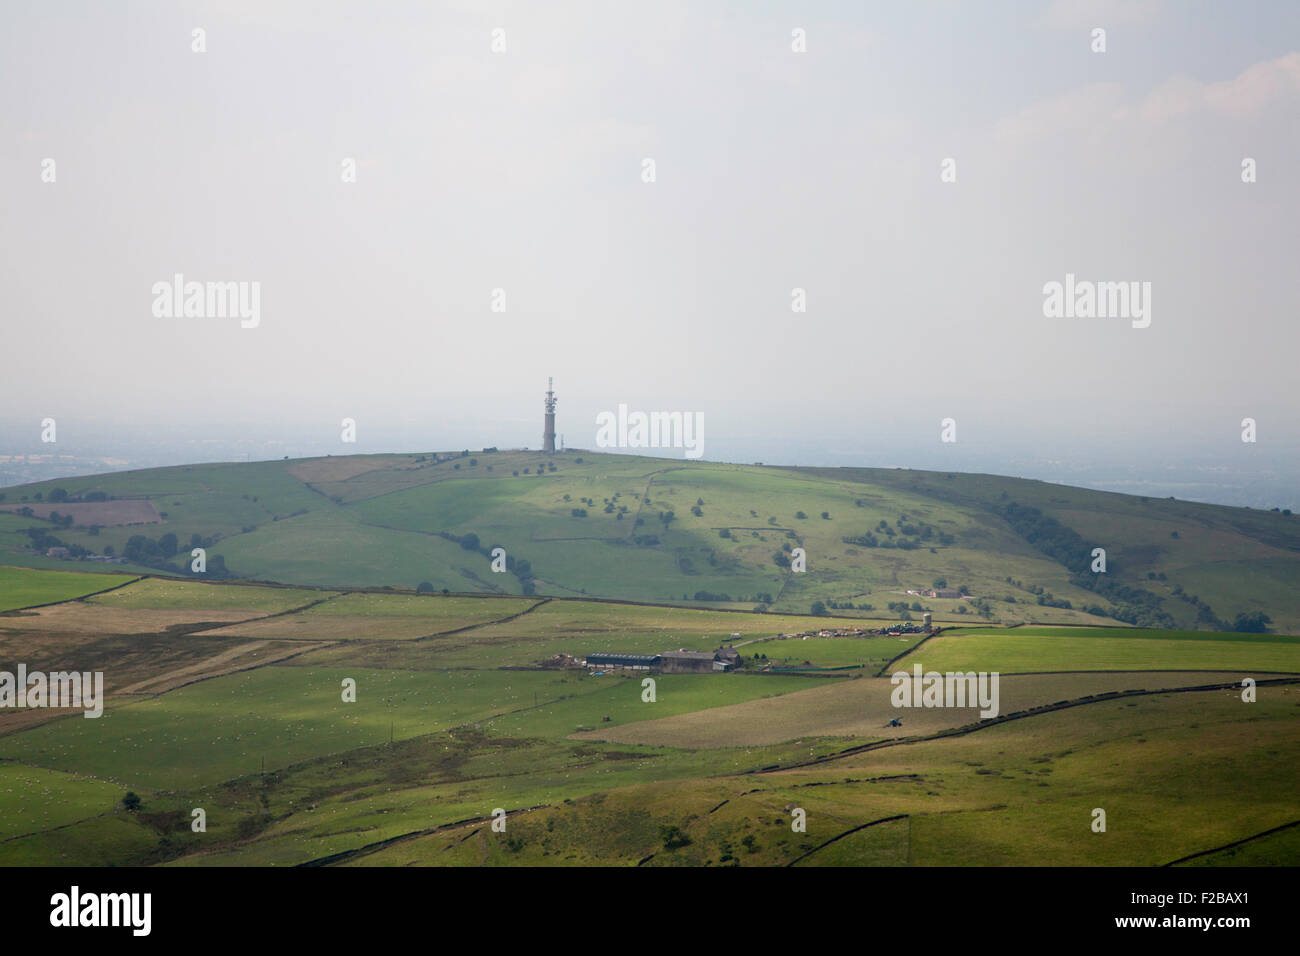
[686,662]
[623,660]
[943,593]
[729,656]
[670,662]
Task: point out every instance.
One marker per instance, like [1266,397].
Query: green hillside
[665,531]
[229,697]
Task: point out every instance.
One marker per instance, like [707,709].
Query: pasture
[25,587]
[1029,650]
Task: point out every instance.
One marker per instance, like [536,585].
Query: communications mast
[548,430]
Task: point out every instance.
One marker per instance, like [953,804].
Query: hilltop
[582,524]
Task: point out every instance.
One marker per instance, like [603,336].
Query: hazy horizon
[522,171]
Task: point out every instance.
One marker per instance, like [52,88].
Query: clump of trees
[1067,547]
[1251,622]
[519,567]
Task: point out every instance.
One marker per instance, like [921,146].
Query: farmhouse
[943,593]
[728,655]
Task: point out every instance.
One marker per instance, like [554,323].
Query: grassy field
[1027,650]
[228,694]
[34,799]
[23,587]
[858,710]
[1020,793]
[159,594]
[656,530]
[225,727]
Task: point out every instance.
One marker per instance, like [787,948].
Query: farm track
[1006,718]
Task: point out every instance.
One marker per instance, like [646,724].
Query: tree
[943,582]
[673,837]
[168,544]
[1251,622]
[818,609]
[131,801]
[469,542]
[424,587]
[826,515]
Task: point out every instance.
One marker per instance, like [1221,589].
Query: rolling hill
[578,524]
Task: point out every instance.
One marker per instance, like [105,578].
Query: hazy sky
[522,170]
